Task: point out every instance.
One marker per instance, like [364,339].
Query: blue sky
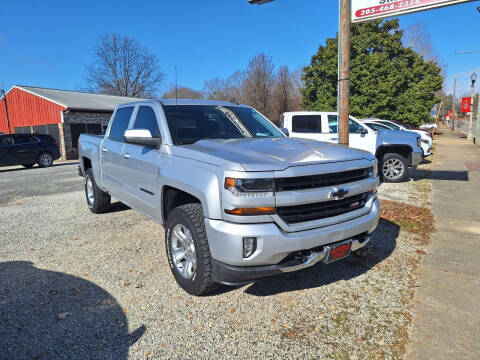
[49,43]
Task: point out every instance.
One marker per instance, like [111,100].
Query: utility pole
[344,42]
[470,134]
[453,103]
[477,133]
[6,111]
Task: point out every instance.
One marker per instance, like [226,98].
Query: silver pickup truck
[238,199]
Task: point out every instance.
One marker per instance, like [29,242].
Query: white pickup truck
[395,151]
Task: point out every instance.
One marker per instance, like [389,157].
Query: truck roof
[186,102]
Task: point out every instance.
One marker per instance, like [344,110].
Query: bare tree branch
[123,67]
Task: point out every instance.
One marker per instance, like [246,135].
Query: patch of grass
[415,219]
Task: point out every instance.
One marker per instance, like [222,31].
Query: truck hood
[397,137]
[268,154]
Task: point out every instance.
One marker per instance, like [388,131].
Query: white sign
[364,10]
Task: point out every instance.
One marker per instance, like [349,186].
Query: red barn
[61,113]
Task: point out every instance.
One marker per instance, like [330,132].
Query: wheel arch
[404,150]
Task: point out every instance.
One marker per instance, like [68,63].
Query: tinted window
[146,119]
[353,126]
[307,124]
[6,140]
[332,124]
[377,127]
[390,125]
[23,139]
[120,123]
[190,123]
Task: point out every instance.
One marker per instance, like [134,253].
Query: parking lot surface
[77,285]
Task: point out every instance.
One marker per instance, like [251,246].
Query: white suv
[426,137]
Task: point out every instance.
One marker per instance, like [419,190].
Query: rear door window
[353,126]
[23,139]
[120,124]
[307,123]
[333,124]
[146,119]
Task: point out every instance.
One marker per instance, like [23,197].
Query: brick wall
[80,117]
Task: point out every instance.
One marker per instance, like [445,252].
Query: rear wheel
[45,159]
[98,201]
[188,251]
[394,168]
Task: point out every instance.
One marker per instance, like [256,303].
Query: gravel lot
[75,285]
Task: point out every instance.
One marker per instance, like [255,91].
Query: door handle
[105,150]
[126,156]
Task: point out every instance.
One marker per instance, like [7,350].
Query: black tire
[394,168]
[45,159]
[28,166]
[191,217]
[100,201]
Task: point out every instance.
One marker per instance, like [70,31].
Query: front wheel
[188,251]
[98,201]
[394,168]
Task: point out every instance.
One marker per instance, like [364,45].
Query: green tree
[388,80]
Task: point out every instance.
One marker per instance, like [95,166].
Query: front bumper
[238,275]
[273,244]
[417,158]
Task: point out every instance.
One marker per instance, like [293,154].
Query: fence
[463,125]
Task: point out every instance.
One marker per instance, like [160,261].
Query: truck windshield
[190,123]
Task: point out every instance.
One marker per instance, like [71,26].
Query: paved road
[18,182]
[447,324]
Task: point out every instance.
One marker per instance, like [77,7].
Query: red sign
[466,103]
[363,10]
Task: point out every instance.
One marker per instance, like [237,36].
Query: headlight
[373,171]
[249,187]
[425,141]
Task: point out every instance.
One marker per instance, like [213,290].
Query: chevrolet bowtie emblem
[339,194]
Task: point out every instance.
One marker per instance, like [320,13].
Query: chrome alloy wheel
[393,169]
[183,251]
[89,188]
[45,160]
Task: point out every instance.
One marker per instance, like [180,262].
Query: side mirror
[285,131]
[142,137]
[363,131]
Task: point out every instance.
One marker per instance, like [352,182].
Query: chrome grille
[316,211]
[318,181]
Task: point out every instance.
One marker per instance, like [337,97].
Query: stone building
[61,113]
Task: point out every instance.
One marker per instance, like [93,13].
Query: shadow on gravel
[118,207]
[46,315]
[36,167]
[383,243]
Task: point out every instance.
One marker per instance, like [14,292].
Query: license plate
[338,251]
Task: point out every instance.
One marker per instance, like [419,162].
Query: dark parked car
[28,150]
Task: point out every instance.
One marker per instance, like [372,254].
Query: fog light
[249,246]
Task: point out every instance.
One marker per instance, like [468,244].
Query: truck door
[27,148]
[359,136]
[140,165]
[112,152]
